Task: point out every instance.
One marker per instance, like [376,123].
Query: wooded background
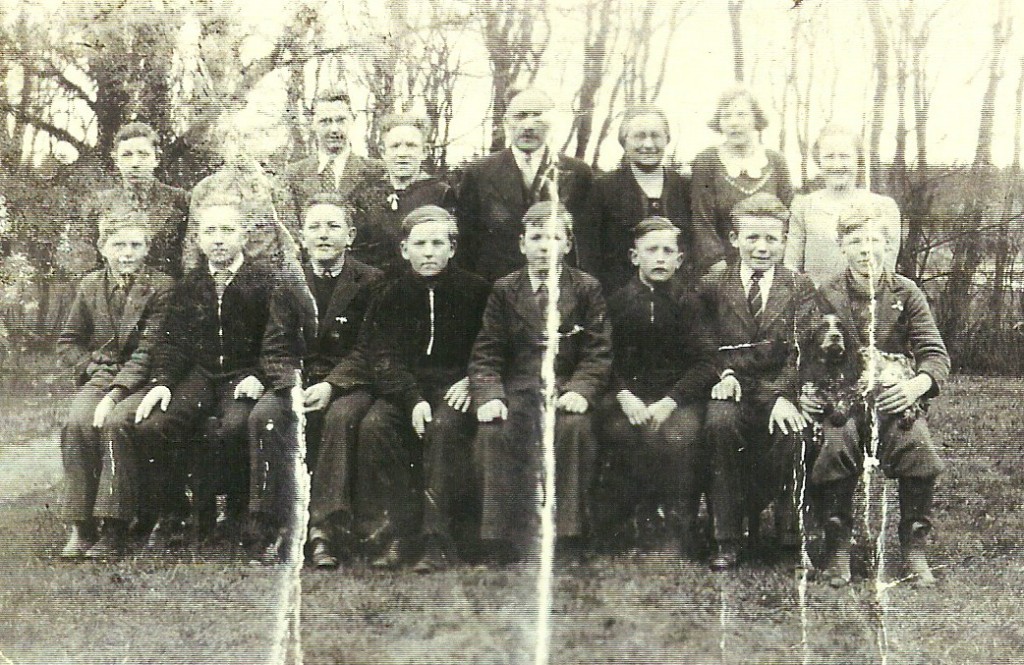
[72,73]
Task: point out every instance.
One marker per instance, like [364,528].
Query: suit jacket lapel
[736,299]
[836,295]
[506,180]
[778,298]
[134,304]
[886,309]
[539,185]
[525,303]
[345,288]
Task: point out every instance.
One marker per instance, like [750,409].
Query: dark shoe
[321,557]
[436,557]
[837,571]
[391,558]
[80,540]
[113,542]
[167,534]
[274,552]
[914,556]
[725,559]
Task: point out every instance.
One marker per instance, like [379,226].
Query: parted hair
[761,204]
[653,224]
[728,97]
[136,130]
[539,214]
[638,110]
[858,217]
[329,199]
[431,213]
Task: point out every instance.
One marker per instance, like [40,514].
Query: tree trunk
[736,21]
[880,41]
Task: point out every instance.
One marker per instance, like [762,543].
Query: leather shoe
[322,556]
[113,542]
[79,542]
[436,557]
[391,558]
[274,552]
[725,559]
[167,533]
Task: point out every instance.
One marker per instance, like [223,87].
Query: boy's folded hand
[493,410]
[727,388]
[457,396]
[250,387]
[316,397]
[661,410]
[786,417]
[635,410]
[158,395]
[421,415]
[572,402]
[103,409]
[900,397]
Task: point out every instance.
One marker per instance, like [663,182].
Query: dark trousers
[906,454]
[510,456]
[331,502]
[101,478]
[651,467]
[411,483]
[750,467]
[274,462]
[205,425]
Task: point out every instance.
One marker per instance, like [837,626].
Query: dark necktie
[754,295]
[118,295]
[542,300]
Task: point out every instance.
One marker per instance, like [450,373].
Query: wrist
[726,373]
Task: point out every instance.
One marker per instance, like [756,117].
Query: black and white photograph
[522,332]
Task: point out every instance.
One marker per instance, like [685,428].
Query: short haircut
[731,95]
[761,204]
[331,94]
[652,225]
[136,130]
[531,96]
[832,129]
[858,217]
[120,217]
[393,120]
[219,199]
[329,199]
[540,213]
[425,214]
[639,110]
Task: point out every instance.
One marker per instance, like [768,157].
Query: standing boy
[420,332]
[106,341]
[662,369]
[754,307]
[207,374]
[505,374]
[341,290]
[869,294]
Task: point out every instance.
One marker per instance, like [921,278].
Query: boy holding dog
[888,312]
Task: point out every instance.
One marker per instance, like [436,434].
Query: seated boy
[420,331]
[662,369]
[753,307]
[207,375]
[903,325]
[340,286]
[505,374]
[106,341]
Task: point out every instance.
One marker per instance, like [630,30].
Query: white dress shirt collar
[747,275]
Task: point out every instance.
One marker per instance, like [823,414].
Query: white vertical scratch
[547,501]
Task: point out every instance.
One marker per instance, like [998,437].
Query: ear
[404,249]
[634,256]
[522,244]
[734,239]
[679,261]
[351,236]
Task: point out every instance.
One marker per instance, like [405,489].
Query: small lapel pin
[393,200]
[341,319]
[898,306]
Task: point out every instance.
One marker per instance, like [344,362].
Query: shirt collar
[537,280]
[747,274]
[333,271]
[235,266]
[536,158]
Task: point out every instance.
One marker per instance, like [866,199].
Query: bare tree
[880,43]
[736,23]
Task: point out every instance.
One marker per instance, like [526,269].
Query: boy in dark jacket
[420,331]
[888,311]
[662,369]
[505,372]
[207,374]
[754,307]
[106,341]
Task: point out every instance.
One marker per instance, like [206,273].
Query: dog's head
[830,339]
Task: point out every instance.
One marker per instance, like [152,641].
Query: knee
[379,421]
[722,416]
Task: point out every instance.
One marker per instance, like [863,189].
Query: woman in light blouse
[812,246]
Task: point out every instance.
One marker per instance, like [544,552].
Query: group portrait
[384,335]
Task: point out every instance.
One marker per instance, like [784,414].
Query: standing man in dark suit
[754,307]
[136,156]
[380,207]
[643,186]
[333,168]
[497,190]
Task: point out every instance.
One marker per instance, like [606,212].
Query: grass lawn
[629,609]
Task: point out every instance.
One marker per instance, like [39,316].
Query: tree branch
[43,125]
